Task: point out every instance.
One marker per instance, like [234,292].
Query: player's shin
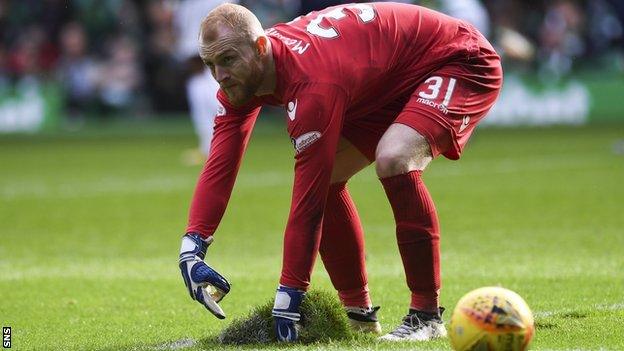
[286,313]
[418,237]
[343,255]
[342,247]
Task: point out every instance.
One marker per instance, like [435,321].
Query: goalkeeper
[390,83]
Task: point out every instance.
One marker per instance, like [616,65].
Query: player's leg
[348,162]
[401,150]
[402,155]
[342,241]
[438,119]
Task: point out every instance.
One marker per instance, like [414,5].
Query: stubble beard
[247,90]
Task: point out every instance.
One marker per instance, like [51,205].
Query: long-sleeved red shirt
[332,66]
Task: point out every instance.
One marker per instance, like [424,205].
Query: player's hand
[286,313]
[204,284]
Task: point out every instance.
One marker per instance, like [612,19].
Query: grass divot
[323,319]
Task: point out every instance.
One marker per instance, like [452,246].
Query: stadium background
[67,63]
[94,190]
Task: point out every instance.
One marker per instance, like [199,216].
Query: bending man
[392,83]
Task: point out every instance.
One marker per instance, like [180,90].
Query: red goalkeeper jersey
[333,66]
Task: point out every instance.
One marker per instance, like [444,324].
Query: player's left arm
[314,129]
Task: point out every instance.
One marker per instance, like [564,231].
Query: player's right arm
[233,128]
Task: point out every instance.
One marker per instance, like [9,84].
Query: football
[491,318]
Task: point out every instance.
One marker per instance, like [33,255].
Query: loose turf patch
[323,319]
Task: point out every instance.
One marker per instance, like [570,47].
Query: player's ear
[262,45]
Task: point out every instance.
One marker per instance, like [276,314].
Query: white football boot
[418,326]
[364,320]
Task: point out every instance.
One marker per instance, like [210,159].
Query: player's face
[235,65]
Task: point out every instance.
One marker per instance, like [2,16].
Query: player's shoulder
[301,62]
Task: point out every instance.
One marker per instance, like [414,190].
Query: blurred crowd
[124,55]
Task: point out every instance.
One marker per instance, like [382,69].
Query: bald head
[233,45]
[229,22]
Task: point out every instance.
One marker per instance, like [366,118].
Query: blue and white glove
[204,284]
[286,313]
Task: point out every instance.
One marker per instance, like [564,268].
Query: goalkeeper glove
[286,313]
[204,284]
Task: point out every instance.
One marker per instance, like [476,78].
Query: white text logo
[428,102]
[294,44]
[304,141]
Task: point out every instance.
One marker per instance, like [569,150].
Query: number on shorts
[366,13]
[433,89]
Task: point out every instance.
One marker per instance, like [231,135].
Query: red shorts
[445,107]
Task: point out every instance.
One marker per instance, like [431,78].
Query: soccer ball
[492,319]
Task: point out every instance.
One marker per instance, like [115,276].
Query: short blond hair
[244,24]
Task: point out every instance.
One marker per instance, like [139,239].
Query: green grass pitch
[90,226]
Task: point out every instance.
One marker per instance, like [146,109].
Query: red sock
[342,247]
[418,236]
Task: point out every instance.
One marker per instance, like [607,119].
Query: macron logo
[435,105]
[464,124]
[291,109]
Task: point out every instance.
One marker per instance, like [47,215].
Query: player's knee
[390,162]
[401,150]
